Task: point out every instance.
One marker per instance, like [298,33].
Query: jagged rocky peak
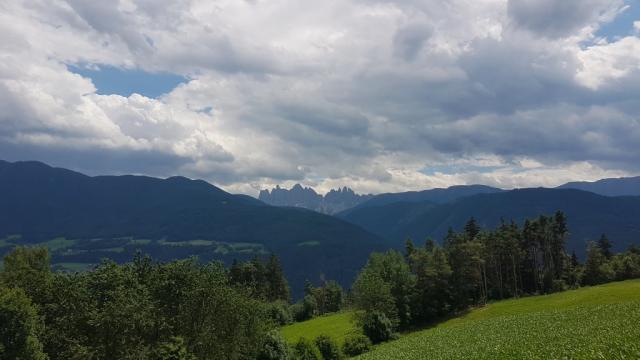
[334,201]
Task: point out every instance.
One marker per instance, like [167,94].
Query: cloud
[377,95]
[553,19]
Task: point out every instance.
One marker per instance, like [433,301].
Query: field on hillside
[337,326]
[600,322]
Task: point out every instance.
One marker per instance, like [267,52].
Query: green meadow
[600,322]
[337,326]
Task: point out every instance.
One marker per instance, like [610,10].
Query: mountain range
[84,219]
[629,186]
[305,197]
[589,215]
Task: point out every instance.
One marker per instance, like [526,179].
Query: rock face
[305,197]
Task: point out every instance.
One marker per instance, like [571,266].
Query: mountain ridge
[589,215]
[623,186]
[113,216]
[334,201]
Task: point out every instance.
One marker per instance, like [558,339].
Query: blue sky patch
[112,80]
[622,25]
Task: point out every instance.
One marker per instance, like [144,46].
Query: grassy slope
[601,322]
[337,326]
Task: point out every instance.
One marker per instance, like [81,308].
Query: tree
[596,268]
[277,286]
[174,349]
[304,349]
[432,295]
[20,327]
[356,344]
[274,347]
[465,259]
[309,307]
[329,348]
[28,268]
[328,297]
[409,248]
[377,327]
[471,228]
[386,284]
[605,246]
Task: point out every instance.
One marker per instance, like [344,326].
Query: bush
[174,349]
[356,344]
[280,313]
[304,310]
[328,348]
[274,347]
[377,327]
[304,349]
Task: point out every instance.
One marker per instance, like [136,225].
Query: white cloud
[360,93]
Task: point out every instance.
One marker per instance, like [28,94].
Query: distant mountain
[589,215]
[305,197]
[83,219]
[629,186]
[437,196]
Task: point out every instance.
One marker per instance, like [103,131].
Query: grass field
[600,322]
[337,326]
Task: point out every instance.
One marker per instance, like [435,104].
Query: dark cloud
[553,18]
[409,40]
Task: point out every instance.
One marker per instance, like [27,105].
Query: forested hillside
[83,219]
[589,215]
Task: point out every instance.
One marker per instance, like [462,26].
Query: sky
[376,95]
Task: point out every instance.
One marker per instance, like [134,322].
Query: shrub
[280,313]
[274,347]
[174,349]
[309,306]
[356,344]
[328,348]
[304,310]
[377,327]
[304,349]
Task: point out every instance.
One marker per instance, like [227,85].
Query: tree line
[187,310]
[139,310]
[475,266]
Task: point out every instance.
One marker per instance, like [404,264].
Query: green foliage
[305,349]
[355,345]
[385,284]
[377,327]
[432,295]
[329,348]
[597,269]
[263,280]
[274,347]
[20,327]
[140,309]
[174,349]
[306,309]
[626,265]
[28,268]
[605,246]
[474,266]
[328,297]
[280,313]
